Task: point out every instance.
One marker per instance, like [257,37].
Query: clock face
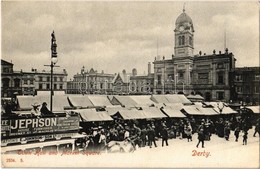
[181,28]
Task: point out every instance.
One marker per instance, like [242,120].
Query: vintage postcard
[130,84]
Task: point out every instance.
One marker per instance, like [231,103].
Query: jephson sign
[31,126]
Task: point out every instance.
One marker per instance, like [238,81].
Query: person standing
[151,136]
[164,135]
[201,138]
[102,140]
[143,136]
[236,133]
[227,132]
[245,138]
[188,133]
[257,128]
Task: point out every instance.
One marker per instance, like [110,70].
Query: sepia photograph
[130,84]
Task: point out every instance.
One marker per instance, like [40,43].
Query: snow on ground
[179,154]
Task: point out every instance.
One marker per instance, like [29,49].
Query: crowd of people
[150,133]
[142,133]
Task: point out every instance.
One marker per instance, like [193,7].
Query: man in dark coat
[45,111]
[151,136]
[201,138]
[164,135]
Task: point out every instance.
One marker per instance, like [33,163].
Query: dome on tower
[185,21]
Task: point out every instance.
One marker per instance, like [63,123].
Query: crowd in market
[157,132]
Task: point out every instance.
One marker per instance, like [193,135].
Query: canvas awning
[80,101]
[173,112]
[178,98]
[152,112]
[99,100]
[195,97]
[159,99]
[126,113]
[255,109]
[192,110]
[93,115]
[123,101]
[26,102]
[58,104]
[143,100]
[220,105]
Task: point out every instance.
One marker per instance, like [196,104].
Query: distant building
[29,83]
[11,80]
[207,75]
[35,81]
[245,85]
[132,83]
[90,82]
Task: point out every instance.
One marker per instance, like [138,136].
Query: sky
[113,36]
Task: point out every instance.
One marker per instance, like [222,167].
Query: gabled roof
[3,62]
[120,77]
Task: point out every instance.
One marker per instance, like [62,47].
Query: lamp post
[54,60]
[83,82]
[175,83]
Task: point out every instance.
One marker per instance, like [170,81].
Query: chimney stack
[149,68]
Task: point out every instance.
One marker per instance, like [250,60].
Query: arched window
[190,40]
[183,40]
[180,41]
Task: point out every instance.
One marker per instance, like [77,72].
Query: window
[181,40]
[257,77]
[190,41]
[203,75]
[6,70]
[61,86]
[48,78]
[55,79]
[181,75]
[31,81]
[61,79]
[220,95]
[238,78]
[159,78]
[55,86]
[220,65]
[101,85]
[256,89]
[40,78]
[40,86]
[220,78]
[16,82]
[25,81]
[239,89]
[47,86]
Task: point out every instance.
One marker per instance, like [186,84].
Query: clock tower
[183,33]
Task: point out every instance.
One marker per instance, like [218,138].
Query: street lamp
[83,82]
[54,60]
[175,83]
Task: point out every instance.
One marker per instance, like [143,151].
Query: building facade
[93,82]
[245,82]
[186,73]
[90,82]
[29,83]
[11,81]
